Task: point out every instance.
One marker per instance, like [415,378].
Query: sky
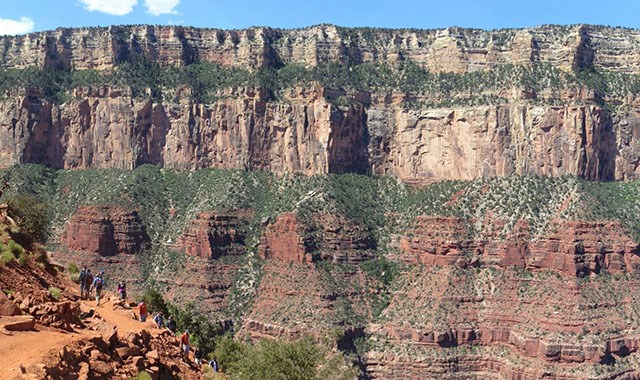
[24,16]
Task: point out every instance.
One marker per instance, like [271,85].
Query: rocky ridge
[442,50]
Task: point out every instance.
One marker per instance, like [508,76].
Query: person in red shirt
[184,343]
[142,309]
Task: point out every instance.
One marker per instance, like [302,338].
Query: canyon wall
[304,129]
[444,50]
[496,276]
[310,135]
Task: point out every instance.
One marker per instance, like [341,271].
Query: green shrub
[31,214]
[143,376]
[22,259]
[15,248]
[229,352]
[55,293]
[154,300]
[6,257]
[299,360]
[204,333]
[279,359]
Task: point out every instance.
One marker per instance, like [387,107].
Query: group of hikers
[89,283]
[172,326]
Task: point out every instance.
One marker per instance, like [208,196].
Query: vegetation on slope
[381,206]
[208,81]
[364,200]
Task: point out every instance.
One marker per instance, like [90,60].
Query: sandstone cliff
[448,50]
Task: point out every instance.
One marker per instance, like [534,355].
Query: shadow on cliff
[44,145]
[602,167]
[150,134]
[348,146]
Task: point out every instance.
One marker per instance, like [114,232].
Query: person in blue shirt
[98,283]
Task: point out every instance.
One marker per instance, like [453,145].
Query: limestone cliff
[309,134]
[447,50]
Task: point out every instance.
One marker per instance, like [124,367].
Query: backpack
[82,276]
[98,283]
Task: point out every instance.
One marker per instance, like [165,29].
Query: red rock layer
[212,235]
[283,241]
[106,230]
[340,240]
[205,282]
[526,346]
[297,299]
[470,366]
[573,247]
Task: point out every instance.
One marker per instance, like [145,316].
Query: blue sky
[22,16]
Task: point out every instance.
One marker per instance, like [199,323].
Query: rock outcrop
[283,241]
[340,240]
[521,298]
[573,248]
[527,131]
[106,230]
[310,135]
[215,234]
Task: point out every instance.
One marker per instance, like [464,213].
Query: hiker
[171,325]
[159,320]
[122,290]
[88,281]
[214,364]
[197,354]
[184,344]
[81,279]
[97,284]
[142,309]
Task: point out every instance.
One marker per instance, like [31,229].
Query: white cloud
[11,27]
[112,7]
[161,7]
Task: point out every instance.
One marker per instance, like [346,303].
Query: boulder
[7,307]
[18,323]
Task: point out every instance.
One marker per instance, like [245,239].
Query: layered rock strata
[308,134]
[573,248]
[215,234]
[440,50]
[283,241]
[105,230]
[339,240]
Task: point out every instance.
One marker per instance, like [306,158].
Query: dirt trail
[29,349]
[121,318]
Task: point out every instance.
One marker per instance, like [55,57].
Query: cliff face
[444,50]
[308,134]
[512,277]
